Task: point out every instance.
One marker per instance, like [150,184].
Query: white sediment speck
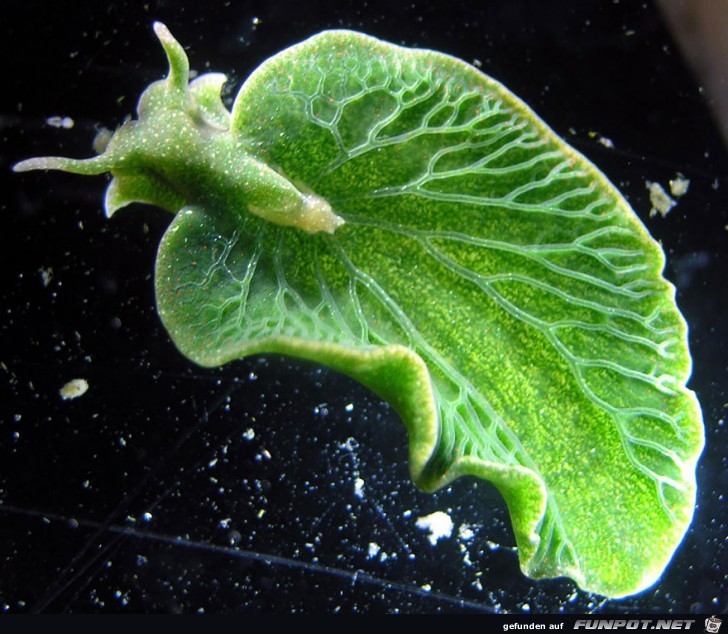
[60,122]
[74,389]
[606,142]
[46,275]
[465,532]
[359,488]
[438,523]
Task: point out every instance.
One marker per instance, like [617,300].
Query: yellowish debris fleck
[101,140]
[74,389]
[660,200]
[679,185]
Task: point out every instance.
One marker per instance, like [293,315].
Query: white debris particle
[249,434]
[263,455]
[349,407]
[659,199]
[46,275]
[74,389]
[465,532]
[679,185]
[321,409]
[60,122]
[350,444]
[373,550]
[438,523]
[466,555]
[525,607]
[477,63]
[359,488]
[426,587]
[607,143]
[601,139]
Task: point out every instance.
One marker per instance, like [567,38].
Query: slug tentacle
[89,167]
[179,66]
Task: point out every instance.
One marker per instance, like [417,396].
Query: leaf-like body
[400,217]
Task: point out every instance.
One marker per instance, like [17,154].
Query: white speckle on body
[74,389]
[439,524]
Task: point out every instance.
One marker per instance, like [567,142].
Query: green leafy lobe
[400,217]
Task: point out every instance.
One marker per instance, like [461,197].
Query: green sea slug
[399,216]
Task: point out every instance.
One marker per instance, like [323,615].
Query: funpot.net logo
[635,624]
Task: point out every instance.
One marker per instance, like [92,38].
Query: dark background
[151,493]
